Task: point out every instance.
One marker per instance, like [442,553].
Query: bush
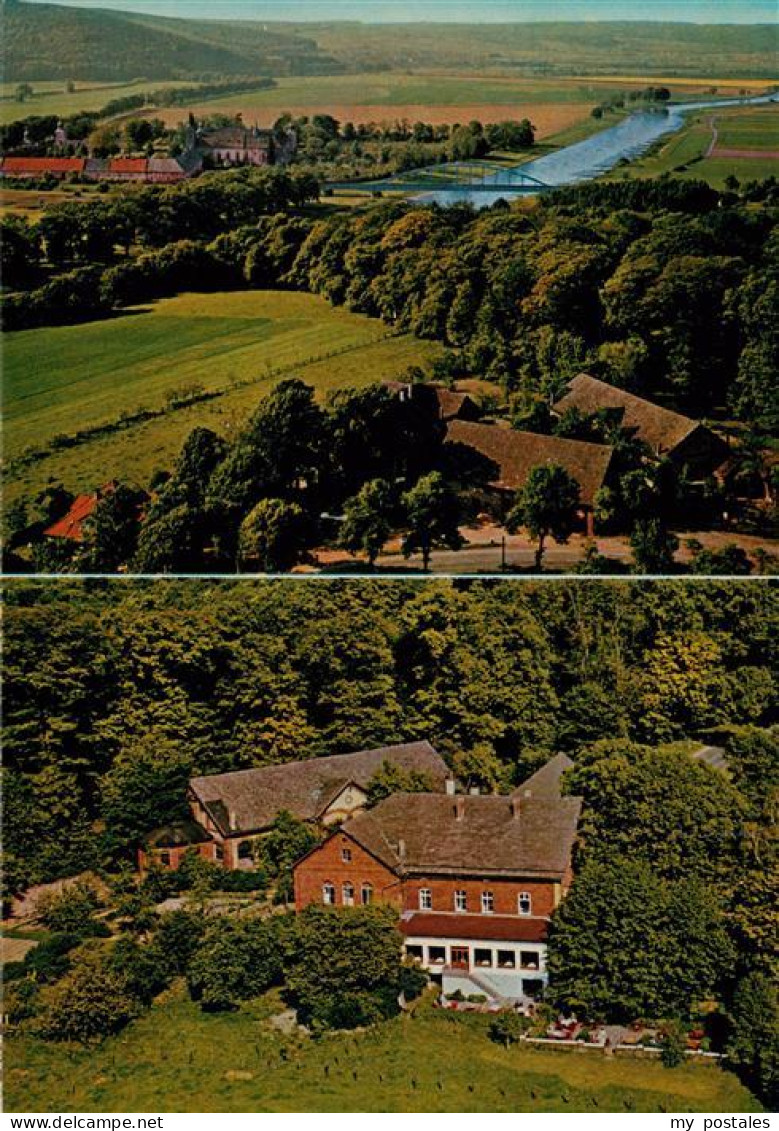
[673,1046]
[235,961]
[90,1002]
[507,1028]
[69,910]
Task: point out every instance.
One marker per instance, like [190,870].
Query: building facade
[475,879]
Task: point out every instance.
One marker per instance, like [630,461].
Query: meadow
[177,1059]
[237,344]
[696,152]
[52,98]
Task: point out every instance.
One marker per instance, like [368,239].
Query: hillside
[45,41]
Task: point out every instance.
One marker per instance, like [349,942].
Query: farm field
[687,153]
[51,97]
[61,379]
[441,98]
[177,1059]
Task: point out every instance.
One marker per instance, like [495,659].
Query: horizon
[719,12]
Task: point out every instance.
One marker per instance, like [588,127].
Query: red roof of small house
[43,164]
[71,525]
[502,928]
[128,165]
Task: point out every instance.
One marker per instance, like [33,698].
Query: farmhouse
[511,456]
[229,811]
[475,878]
[667,433]
[445,403]
[144,170]
[71,525]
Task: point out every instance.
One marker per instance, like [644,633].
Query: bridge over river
[483,183]
[455,176]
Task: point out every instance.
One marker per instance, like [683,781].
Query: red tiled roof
[71,525]
[43,164]
[128,165]
[505,928]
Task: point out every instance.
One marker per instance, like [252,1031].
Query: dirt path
[714,137]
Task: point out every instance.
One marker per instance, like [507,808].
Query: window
[245,850]
[506,959]
[366,894]
[414,952]
[165,859]
[436,955]
[347,894]
[482,957]
[346,855]
[528,959]
[328,893]
[219,852]
[524,903]
[487,902]
[460,901]
[425,899]
[460,956]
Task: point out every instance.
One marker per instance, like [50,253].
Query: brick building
[475,878]
[669,434]
[235,809]
[508,457]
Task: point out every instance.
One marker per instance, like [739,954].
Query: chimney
[516,806]
[402,850]
[451,786]
[232,820]
[459,808]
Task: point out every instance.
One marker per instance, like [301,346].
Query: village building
[668,434]
[25,168]
[510,456]
[231,811]
[142,170]
[446,404]
[237,145]
[474,878]
[71,526]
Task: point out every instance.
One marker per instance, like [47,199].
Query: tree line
[660,287]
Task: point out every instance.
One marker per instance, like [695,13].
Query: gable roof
[660,428]
[237,137]
[714,756]
[248,800]
[517,453]
[71,525]
[136,165]
[545,783]
[42,165]
[421,833]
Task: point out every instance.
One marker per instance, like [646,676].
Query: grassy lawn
[60,379]
[754,128]
[178,1060]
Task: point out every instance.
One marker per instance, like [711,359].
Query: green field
[685,153]
[51,98]
[179,1060]
[61,379]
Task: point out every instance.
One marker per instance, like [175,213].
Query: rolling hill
[46,41]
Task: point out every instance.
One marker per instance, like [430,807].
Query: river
[598,154]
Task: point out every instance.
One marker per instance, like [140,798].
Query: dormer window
[524,903]
[346,855]
[425,899]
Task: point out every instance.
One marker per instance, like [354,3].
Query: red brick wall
[154,856]
[325,865]
[505,893]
